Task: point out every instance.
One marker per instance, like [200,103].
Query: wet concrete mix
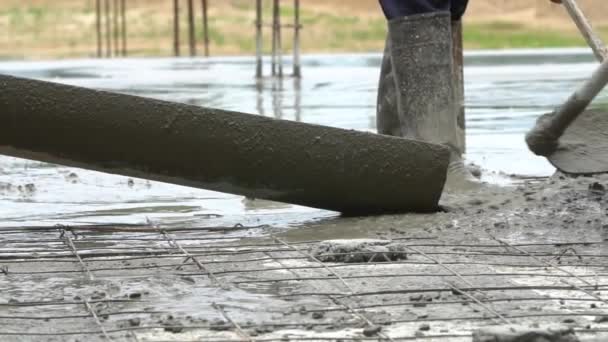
[498,264]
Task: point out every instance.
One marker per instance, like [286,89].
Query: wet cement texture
[532,254]
[423,78]
[583,149]
[215,267]
[525,334]
[359,250]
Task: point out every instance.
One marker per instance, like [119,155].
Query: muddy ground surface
[533,254]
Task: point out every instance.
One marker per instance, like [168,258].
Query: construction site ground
[534,253]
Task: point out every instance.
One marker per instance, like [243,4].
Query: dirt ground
[533,254]
[66,28]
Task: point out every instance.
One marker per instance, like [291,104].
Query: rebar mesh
[215,284]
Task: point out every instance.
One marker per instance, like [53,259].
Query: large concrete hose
[323,167]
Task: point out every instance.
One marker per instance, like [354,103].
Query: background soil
[66,28]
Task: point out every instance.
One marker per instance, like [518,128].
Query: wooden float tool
[574,140]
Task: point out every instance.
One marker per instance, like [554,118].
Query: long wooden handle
[543,138]
[578,101]
[594,41]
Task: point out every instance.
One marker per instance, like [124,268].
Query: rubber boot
[421,62]
[421,66]
[387,119]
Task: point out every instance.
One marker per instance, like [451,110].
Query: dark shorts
[402,8]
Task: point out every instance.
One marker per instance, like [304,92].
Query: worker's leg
[457,8]
[387,119]
[401,8]
[420,65]
[421,50]
[386,116]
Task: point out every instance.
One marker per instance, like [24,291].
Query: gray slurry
[525,334]
[532,254]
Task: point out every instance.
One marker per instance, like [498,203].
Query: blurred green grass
[50,30]
[501,35]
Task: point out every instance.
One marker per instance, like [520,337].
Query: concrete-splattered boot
[387,119]
[421,56]
[422,71]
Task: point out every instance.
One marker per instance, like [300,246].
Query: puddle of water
[505,92]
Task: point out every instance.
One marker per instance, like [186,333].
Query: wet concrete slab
[531,254]
[146,288]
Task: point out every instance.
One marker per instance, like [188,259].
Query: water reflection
[280,97]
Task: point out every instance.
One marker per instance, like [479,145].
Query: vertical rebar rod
[176,48]
[97,321]
[275,16]
[297,70]
[205,27]
[116,27]
[458,80]
[279,43]
[98,28]
[108,29]
[191,28]
[123,19]
[258,38]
